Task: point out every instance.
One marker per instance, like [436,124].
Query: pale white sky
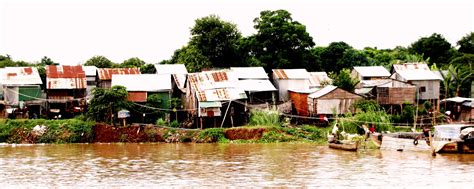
[73,31]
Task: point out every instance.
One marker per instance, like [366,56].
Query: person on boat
[334,134]
[372,129]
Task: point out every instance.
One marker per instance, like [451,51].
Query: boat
[347,146]
[454,138]
[405,141]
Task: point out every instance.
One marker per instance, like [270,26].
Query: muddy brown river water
[225,165]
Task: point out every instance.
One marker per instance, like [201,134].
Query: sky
[70,32]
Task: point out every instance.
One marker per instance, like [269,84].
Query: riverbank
[78,131]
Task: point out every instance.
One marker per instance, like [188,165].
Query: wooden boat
[347,146]
[454,138]
[405,141]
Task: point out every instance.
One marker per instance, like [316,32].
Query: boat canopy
[449,131]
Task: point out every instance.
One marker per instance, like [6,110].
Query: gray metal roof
[143,82]
[249,72]
[372,71]
[256,85]
[327,89]
[418,75]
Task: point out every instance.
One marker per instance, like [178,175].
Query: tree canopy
[466,44]
[434,47]
[280,41]
[99,62]
[132,63]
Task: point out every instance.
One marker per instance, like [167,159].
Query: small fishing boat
[405,141]
[347,146]
[454,138]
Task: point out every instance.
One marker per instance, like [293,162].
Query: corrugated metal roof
[327,89]
[317,78]
[291,74]
[410,66]
[305,91]
[65,72]
[210,104]
[458,99]
[137,96]
[220,94]
[249,72]
[363,91]
[106,73]
[65,77]
[171,69]
[372,71]
[90,70]
[256,85]
[20,76]
[178,71]
[418,75]
[212,80]
[143,82]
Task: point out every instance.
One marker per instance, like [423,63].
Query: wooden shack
[66,90]
[331,99]
[418,74]
[299,100]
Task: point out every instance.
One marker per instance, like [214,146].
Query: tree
[434,47]
[216,41]
[460,76]
[132,63]
[353,57]
[99,62]
[280,42]
[47,61]
[192,57]
[107,102]
[466,44]
[332,55]
[344,80]
[148,69]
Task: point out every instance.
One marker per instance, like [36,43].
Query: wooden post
[124,122]
[433,153]
[201,122]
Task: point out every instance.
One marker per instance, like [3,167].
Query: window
[422,89]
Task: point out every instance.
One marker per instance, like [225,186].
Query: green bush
[214,134]
[265,118]
[174,124]
[275,136]
[161,122]
[58,131]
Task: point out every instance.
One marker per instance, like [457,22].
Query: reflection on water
[215,165]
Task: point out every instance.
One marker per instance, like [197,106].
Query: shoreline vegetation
[263,127]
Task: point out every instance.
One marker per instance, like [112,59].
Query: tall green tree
[99,62]
[280,42]
[47,61]
[216,40]
[466,44]
[148,69]
[192,57]
[107,102]
[344,80]
[434,47]
[332,55]
[132,63]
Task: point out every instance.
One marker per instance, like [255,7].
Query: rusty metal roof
[65,72]
[291,74]
[20,76]
[215,86]
[106,73]
[65,77]
[137,96]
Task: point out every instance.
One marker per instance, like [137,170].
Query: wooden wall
[396,95]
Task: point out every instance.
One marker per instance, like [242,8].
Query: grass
[58,131]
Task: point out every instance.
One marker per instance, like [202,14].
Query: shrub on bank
[55,131]
[266,118]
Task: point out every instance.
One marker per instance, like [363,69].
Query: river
[220,165]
